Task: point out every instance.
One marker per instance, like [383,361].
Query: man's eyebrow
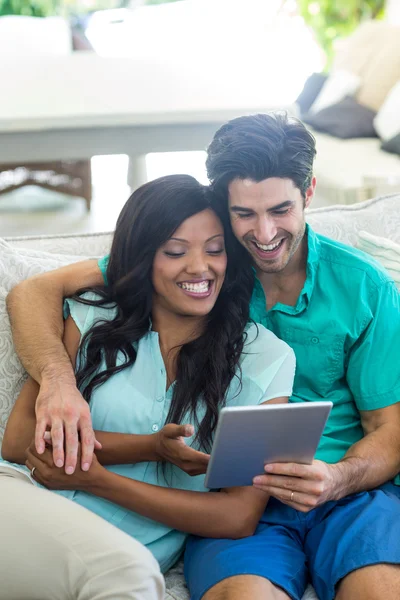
[282,205]
[243,209]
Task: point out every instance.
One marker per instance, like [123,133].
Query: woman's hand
[171,447]
[55,478]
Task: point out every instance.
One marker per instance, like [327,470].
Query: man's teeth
[267,247]
[198,288]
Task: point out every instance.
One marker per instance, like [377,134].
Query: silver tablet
[248,437]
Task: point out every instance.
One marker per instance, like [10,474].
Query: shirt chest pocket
[320,361]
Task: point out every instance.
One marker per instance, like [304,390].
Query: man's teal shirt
[345,331]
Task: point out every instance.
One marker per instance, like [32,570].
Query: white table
[77,106]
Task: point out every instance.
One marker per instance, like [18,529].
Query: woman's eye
[216,251]
[174,254]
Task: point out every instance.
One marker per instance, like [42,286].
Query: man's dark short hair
[260,146]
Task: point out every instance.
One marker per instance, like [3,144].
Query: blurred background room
[98,96]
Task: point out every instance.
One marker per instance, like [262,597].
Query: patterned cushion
[16,265]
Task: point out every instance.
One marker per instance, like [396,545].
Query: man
[337,520]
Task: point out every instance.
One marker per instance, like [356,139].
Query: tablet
[248,437]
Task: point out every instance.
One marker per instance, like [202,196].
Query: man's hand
[55,478]
[61,409]
[171,447]
[302,487]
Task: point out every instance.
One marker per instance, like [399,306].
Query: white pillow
[387,121]
[339,84]
[16,265]
[384,251]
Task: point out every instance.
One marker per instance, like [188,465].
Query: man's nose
[265,230]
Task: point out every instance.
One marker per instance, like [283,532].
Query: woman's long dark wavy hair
[206,365]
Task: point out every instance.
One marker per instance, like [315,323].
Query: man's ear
[310,193]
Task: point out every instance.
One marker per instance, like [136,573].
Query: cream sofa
[21,257]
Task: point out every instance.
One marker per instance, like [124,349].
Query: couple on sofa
[204,297]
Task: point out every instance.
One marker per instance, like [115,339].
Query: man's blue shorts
[291,548]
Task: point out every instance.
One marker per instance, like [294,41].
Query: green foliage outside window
[29,8]
[335,19]
[44,8]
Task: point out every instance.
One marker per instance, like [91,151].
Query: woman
[158,352]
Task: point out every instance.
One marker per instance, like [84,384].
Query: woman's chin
[197,308]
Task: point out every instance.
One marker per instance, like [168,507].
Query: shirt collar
[313,254]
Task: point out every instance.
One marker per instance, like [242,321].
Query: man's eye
[244,215]
[281,212]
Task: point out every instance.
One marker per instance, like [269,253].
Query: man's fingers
[87,445]
[294,484]
[57,440]
[297,500]
[292,470]
[71,444]
[40,430]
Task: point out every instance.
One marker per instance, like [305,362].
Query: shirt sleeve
[281,385]
[373,371]
[85,315]
[103,264]
[268,366]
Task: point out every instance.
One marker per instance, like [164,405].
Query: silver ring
[33,471]
[291,495]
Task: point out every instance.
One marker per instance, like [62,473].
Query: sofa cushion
[387,121]
[346,119]
[339,84]
[373,53]
[392,145]
[384,251]
[310,91]
[380,216]
[16,265]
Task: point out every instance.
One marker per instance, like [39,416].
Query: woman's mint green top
[136,401]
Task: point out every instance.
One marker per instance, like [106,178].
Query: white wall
[393,11]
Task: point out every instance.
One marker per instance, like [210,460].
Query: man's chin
[270,265]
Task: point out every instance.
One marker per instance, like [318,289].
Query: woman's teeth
[199,288]
[268,247]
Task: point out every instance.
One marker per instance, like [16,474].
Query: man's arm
[367,464]
[116,448]
[35,308]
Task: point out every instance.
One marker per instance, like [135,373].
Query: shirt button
[155,427]
[160,399]
[315,340]
[162,372]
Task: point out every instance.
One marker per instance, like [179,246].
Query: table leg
[137,171]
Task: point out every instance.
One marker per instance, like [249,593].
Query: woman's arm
[35,308]
[230,513]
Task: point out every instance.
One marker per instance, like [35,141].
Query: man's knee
[371,583]
[245,587]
